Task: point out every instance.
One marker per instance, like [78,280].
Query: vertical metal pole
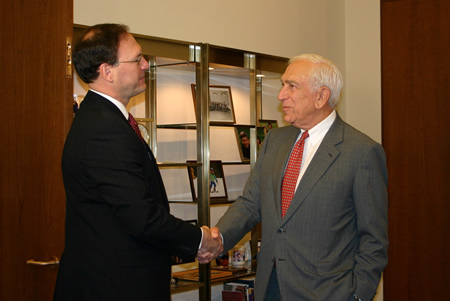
[259,88]
[255,114]
[250,64]
[203,156]
[150,109]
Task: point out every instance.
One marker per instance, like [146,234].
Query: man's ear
[323,96]
[105,71]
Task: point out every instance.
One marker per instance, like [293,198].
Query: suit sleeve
[245,213]
[371,205]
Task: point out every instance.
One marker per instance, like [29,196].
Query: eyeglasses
[138,60]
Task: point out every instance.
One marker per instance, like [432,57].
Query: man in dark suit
[330,242]
[120,234]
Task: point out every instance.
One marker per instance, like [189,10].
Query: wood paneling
[35,114]
[416,124]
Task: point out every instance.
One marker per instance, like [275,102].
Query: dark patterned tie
[135,126]
[291,174]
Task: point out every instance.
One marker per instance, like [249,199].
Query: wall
[345,31]
[362,67]
[277,27]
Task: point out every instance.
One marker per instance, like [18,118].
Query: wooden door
[416,110]
[35,114]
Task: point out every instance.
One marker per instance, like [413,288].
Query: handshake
[212,245]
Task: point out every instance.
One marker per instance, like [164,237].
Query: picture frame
[264,126]
[177,260]
[243,140]
[221,109]
[217,188]
[267,125]
[260,135]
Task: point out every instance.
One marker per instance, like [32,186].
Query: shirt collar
[117,103]
[318,131]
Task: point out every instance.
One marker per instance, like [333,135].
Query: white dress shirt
[313,142]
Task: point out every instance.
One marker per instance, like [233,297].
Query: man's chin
[288,119]
[140,90]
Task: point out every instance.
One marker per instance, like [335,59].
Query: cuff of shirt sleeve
[201,240]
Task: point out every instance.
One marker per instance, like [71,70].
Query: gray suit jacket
[333,240]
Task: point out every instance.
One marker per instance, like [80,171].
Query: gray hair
[325,73]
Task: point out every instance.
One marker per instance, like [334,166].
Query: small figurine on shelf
[213,179]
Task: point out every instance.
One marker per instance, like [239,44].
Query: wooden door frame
[35,116]
[415,108]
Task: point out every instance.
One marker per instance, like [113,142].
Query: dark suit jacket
[333,240]
[119,232]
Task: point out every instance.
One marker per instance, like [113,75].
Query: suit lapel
[325,156]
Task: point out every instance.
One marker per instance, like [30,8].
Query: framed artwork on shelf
[267,125]
[221,109]
[217,185]
[177,260]
[260,135]
[243,140]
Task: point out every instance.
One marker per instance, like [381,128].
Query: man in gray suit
[331,243]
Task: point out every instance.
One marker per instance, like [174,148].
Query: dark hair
[98,45]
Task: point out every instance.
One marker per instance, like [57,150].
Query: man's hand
[215,233]
[211,246]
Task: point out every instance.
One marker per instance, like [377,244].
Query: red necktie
[135,126]
[291,174]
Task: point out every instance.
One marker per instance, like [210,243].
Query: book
[243,286]
[232,296]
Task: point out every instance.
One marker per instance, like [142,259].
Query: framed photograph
[177,260]
[267,125]
[260,135]
[221,110]
[217,185]
[243,140]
